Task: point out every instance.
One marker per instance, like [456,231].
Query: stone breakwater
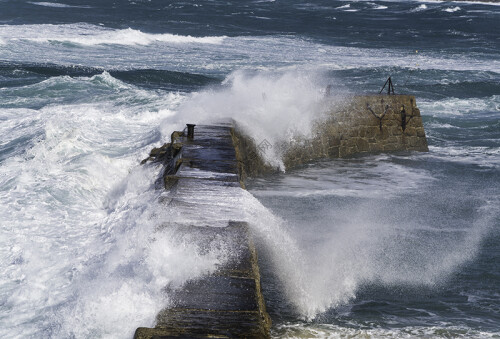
[214,160]
[199,169]
[372,123]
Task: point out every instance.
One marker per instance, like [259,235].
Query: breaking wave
[57,5]
[86,34]
[272,106]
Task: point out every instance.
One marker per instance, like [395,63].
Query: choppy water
[374,246]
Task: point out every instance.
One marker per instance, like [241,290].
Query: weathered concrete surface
[229,303]
[371,123]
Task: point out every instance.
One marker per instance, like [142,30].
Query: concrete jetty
[228,303]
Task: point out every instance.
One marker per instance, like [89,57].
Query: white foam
[420,8]
[270,106]
[342,178]
[342,244]
[56,5]
[90,35]
[452,9]
[454,106]
[482,156]
[433,125]
[263,52]
[320,330]
[491,3]
[80,213]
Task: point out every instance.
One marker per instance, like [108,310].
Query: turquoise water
[384,245]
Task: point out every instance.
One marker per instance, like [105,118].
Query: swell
[22,74]
[425,84]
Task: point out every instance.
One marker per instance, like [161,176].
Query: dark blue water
[382,245]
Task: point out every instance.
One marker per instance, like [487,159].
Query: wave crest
[90,35]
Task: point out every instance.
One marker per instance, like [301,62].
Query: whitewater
[378,245]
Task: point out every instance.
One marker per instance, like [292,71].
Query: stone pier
[228,303]
[361,124]
[213,161]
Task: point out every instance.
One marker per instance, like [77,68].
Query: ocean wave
[369,178]
[13,74]
[433,125]
[415,248]
[57,5]
[482,156]
[377,6]
[270,106]
[422,7]
[452,9]
[454,106]
[472,2]
[77,185]
[90,35]
[257,52]
[319,330]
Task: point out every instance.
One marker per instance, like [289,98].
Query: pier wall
[371,123]
[197,172]
[215,161]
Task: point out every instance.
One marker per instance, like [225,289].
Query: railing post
[190,128]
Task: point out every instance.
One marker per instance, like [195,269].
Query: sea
[389,245]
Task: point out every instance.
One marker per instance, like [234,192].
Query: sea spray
[272,107]
[364,245]
[139,260]
[380,236]
[68,180]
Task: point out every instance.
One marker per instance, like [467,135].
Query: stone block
[352,132]
[411,131]
[393,139]
[333,152]
[371,132]
[391,122]
[334,140]
[382,135]
[376,147]
[393,147]
[317,146]
[362,145]
[422,145]
[394,130]
[345,151]
[351,142]
[413,142]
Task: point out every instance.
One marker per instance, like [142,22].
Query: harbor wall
[369,123]
[218,158]
[229,302]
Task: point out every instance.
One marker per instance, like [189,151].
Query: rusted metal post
[190,128]
[390,88]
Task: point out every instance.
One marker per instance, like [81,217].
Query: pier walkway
[228,303]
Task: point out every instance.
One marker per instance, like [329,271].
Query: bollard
[190,128]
